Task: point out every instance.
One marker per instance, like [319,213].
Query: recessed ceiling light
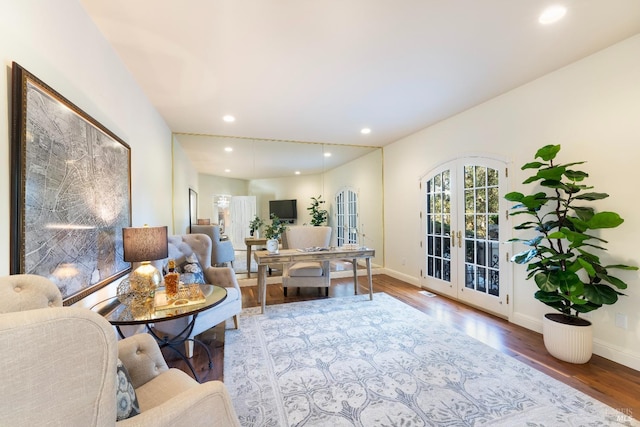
[365,131]
[228,149]
[228,118]
[327,154]
[227,170]
[297,172]
[552,14]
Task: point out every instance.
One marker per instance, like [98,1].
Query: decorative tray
[185,298]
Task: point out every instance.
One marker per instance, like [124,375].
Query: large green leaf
[605,220]
[600,294]
[583,212]
[514,196]
[553,174]
[587,266]
[592,196]
[548,152]
[544,283]
[575,175]
[533,165]
[613,280]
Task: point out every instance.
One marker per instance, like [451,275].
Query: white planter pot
[567,342]
[272,245]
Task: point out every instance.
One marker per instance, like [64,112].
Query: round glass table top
[158,308]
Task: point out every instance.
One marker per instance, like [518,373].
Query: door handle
[459,238]
[453,239]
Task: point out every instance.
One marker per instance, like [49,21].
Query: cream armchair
[59,368]
[306,274]
[181,247]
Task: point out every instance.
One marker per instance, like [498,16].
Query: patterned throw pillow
[126,400]
[190,270]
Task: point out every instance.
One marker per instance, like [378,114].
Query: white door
[462,225]
[242,210]
[347,217]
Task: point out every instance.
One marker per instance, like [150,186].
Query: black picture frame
[70,191]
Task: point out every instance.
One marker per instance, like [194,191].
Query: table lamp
[143,245]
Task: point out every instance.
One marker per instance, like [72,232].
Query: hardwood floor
[616,385]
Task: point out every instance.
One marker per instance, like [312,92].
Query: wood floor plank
[616,385]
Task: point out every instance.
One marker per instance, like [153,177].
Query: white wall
[58,43]
[592,109]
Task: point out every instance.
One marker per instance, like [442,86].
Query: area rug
[355,362]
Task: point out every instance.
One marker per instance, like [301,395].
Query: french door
[462,229]
[346,217]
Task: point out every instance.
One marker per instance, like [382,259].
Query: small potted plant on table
[254,227]
[273,232]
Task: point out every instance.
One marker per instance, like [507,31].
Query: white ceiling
[319,71]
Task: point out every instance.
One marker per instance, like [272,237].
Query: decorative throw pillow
[190,270]
[126,400]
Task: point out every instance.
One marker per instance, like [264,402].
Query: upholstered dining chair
[61,367]
[222,251]
[306,274]
[182,247]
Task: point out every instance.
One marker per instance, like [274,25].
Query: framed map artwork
[70,191]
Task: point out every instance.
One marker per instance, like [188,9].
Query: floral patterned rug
[354,362]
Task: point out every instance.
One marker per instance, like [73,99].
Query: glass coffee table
[146,313]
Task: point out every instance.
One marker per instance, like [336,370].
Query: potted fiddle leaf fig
[561,254]
[318,216]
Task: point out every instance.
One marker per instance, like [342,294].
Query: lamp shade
[145,243]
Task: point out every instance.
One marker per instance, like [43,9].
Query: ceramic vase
[272,246]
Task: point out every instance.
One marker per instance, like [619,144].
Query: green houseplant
[254,225]
[318,216]
[561,255]
[273,232]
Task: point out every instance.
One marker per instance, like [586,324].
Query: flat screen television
[284,209]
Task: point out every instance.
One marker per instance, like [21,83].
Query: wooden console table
[250,241]
[287,256]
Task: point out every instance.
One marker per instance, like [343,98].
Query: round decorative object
[272,245]
[127,295]
[568,342]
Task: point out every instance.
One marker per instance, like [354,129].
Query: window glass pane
[481,279]
[494,283]
[438,225]
[469,226]
[469,203]
[481,200]
[446,181]
[437,186]
[494,227]
[438,249]
[481,253]
[468,177]
[492,177]
[469,252]
[469,276]
[446,270]
[481,226]
[430,245]
[494,200]
[481,176]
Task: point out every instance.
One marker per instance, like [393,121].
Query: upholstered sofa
[306,274]
[183,246]
[59,368]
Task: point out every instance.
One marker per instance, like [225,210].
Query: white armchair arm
[208,404]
